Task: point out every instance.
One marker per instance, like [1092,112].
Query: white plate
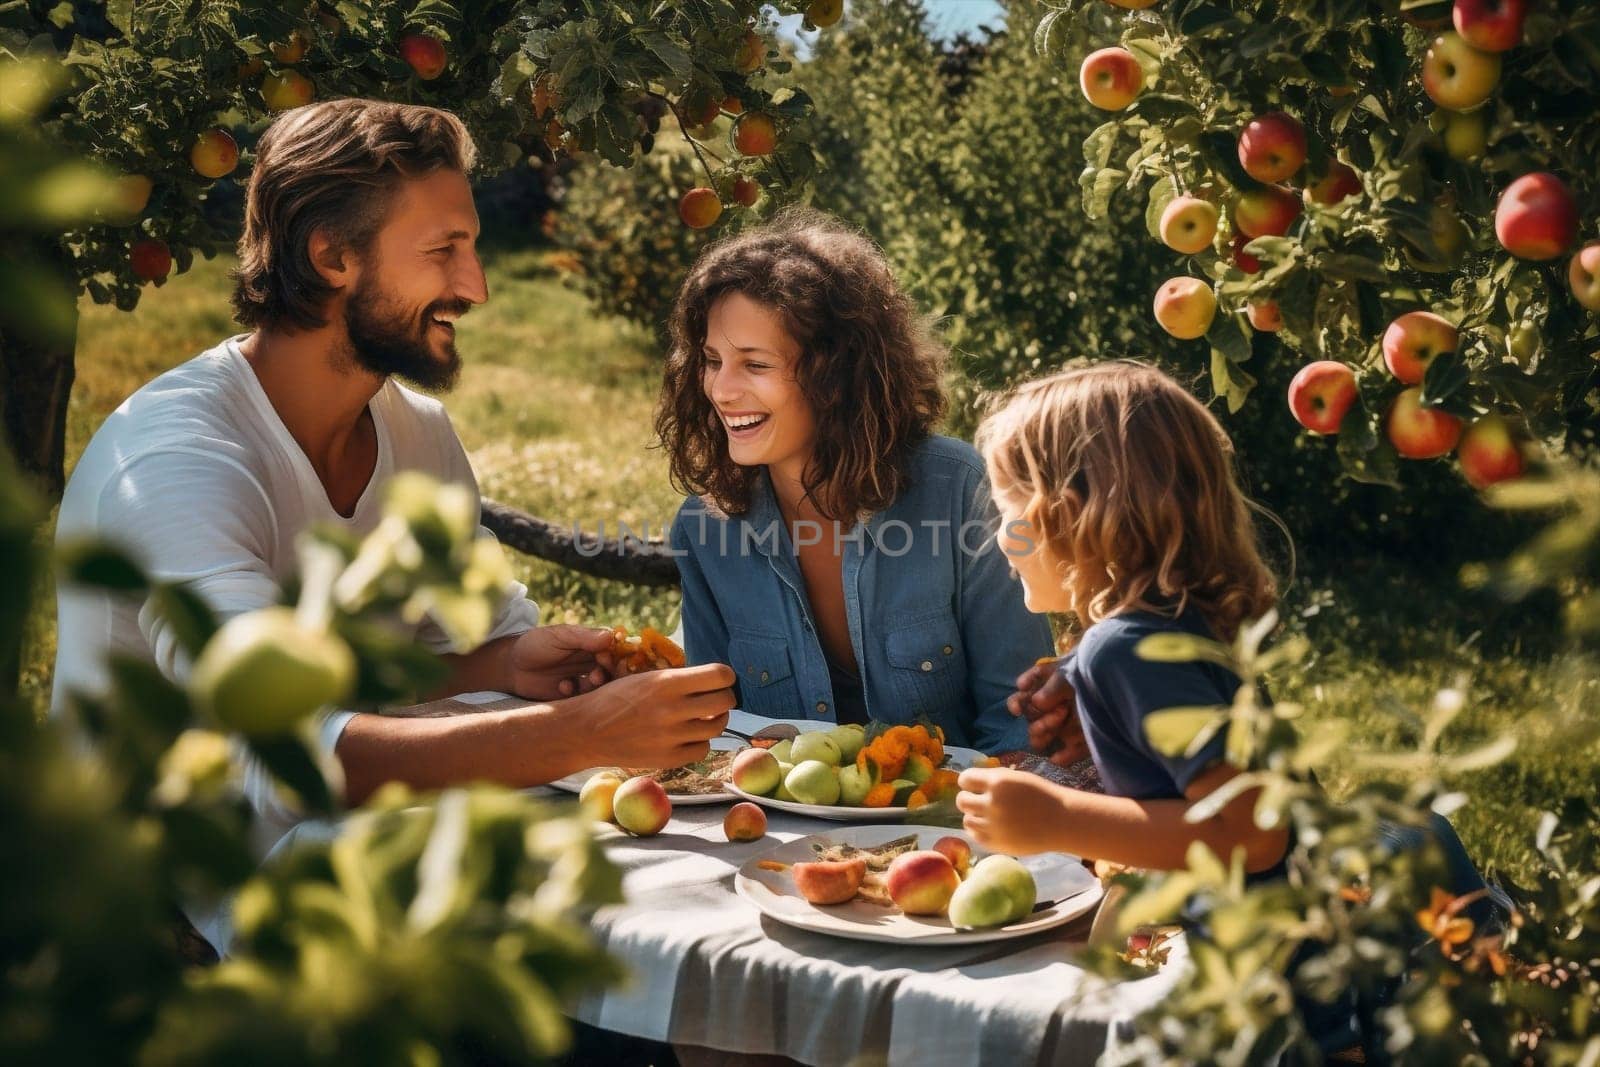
[573,783]
[1059,877]
[960,760]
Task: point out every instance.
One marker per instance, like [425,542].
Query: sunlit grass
[555,405]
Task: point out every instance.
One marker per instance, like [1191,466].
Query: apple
[751,54]
[263,674]
[285,89]
[1013,877]
[829,881]
[1456,75]
[731,105]
[1488,452]
[813,782]
[1537,217]
[1264,315]
[151,259]
[1522,342]
[1339,182]
[424,54]
[1272,147]
[816,745]
[1185,307]
[1448,232]
[921,882]
[1583,274]
[597,795]
[291,51]
[981,902]
[1490,25]
[699,208]
[1321,394]
[1188,224]
[755,770]
[824,13]
[755,134]
[744,822]
[1266,211]
[701,110]
[1415,340]
[1418,432]
[1465,136]
[132,195]
[1242,259]
[249,69]
[957,851]
[783,751]
[851,738]
[854,782]
[641,806]
[1111,78]
[214,153]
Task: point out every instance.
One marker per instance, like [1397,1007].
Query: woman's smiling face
[749,376]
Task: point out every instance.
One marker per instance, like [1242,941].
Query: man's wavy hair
[1129,482]
[869,366]
[334,167]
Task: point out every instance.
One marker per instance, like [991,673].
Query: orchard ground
[554,406]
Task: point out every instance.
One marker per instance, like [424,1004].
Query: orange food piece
[651,650]
[879,796]
[772,865]
[916,800]
[942,784]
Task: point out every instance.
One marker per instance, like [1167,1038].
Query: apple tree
[1404,193]
[169,96]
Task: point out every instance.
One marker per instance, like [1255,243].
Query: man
[357,260]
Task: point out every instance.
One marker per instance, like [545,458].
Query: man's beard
[385,339]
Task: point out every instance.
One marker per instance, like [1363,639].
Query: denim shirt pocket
[762,663]
[928,667]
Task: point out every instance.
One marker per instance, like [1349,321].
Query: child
[834,550]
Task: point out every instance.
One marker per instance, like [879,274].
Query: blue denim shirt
[938,631]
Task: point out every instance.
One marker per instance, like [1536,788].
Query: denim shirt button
[765,676]
[927,665]
[822,707]
[949,650]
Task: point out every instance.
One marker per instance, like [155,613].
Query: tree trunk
[629,560]
[36,376]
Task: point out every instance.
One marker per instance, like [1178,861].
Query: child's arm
[1018,813]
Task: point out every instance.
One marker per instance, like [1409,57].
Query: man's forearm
[486,667]
[518,748]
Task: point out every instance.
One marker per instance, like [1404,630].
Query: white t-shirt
[197,477]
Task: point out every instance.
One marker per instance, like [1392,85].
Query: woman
[834,551]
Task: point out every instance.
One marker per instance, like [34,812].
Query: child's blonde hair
[1130,482]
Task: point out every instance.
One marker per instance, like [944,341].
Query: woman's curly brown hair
[869,367]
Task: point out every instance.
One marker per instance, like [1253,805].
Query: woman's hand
[1047,701]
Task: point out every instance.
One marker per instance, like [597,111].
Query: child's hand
[1010,811]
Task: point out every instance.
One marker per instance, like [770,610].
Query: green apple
[815,746]
[813,782]
[850,738]
[1011,876]
[980,902]
[853,785]
[780,751]
[782,793]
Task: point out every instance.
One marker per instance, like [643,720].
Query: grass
[554,407]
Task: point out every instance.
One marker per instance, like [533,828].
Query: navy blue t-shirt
[1116,690]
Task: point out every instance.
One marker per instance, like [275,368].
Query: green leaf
[1098,145]
[293,764]
[1183,731]
[1176,647]
[1098,185]
[1209,805]
[1161,108]
[1162,193]
[190,617]
[1444,379]
[668,51]
[99,566]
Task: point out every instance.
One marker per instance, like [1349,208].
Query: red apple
[1321,394]
[641,806]
[731,105]
[424,54]
[1418,432]
[291,51]
[1111,78]
[699,208]
[1583,274]
[1185,307]
[755,134]
[1415,340]
[957,851]
[1267,211]
[1339,182]
[1264,315]
[1490,25]
[1488,452]
[1456,75]
[214,153]
[755,770]
[1188,224]
[285,89]
[922,882]
[1272,147]
[1537,217]
[746,190]
[1242,259]
[151,260]
[744,822]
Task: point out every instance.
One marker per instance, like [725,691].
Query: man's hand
[1046,700]
[553,662]
[654,719]
[1011,811]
